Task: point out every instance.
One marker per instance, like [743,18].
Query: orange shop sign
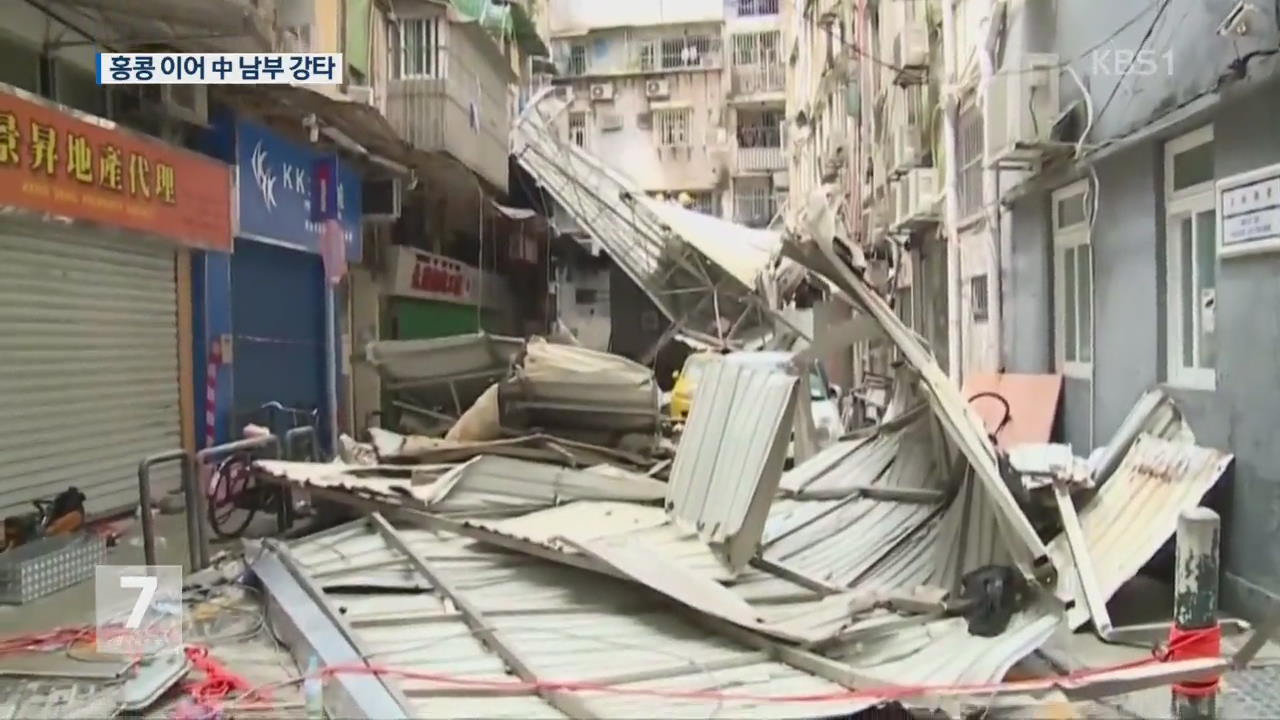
[53,162]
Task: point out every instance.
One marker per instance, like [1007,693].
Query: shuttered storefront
[89,379]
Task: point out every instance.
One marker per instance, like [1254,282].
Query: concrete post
[1195,595]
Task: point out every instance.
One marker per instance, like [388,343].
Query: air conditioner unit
[601,92]
[656,89]
[781,180]
[911,46]
[610,122]
[644,120]
[917,195]
[186,102]
[381,199]
[1022,107]
[906,148]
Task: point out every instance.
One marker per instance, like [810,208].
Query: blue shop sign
[276,191]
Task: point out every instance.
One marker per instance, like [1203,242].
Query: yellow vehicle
[686,381]
[823,396]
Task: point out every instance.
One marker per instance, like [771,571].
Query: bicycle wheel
[232,497]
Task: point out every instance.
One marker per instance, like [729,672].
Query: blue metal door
[277,320]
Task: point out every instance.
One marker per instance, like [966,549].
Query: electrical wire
[1024,71]
[1142,44]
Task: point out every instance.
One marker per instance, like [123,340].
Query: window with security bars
[979,299]
[671,127]
[578,129]
[576,62]
[758,48]
[753,8]
[420,49]
[969,192]
[689,51]
[705,202]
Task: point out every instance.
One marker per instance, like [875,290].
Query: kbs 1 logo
[1142,63]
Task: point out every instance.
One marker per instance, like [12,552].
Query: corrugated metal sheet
[953,414]
[1154,414]
[730,459]
[1135,512]
[485,486]
[492,483]
[88,365]
[563,624]
[942,652]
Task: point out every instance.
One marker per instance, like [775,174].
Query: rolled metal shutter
[88,366]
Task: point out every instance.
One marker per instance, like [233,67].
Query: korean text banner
[275,192]
[52,162]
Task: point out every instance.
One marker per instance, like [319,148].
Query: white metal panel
[88,366]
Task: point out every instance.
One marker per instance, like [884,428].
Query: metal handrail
[197,535]
[144,500]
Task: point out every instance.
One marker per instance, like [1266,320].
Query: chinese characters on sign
[1250,212]
[426,276]
[219,68]
[53,162]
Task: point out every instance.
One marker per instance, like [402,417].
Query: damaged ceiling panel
[731,456]
[420,363]
[1136,512]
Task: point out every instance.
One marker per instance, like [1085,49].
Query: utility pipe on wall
[950,184]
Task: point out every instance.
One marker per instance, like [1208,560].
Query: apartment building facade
[1143,232]
[687,99]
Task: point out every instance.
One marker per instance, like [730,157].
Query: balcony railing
[757,79]
[754,209]
[415,108]
[761,159]
[443,115]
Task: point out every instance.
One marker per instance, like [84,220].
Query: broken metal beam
[311,627]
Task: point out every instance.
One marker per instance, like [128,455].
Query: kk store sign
[289,192]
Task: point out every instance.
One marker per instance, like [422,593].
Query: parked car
[824,397]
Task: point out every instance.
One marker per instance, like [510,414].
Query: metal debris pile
[546,577]
[541,567]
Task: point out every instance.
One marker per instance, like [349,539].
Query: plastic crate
[48,565]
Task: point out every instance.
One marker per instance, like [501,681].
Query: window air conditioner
[1022,104]
[906,148]
[610,122]
[918,193]
[601,92]
[655,89]
[911,46]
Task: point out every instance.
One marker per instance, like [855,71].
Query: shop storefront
[281,347]
[95,312]
[433,296]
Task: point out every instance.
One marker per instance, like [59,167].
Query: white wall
[631,149]
[590,323]
[569,17]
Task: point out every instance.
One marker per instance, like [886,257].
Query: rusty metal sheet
[1136,512]
[1033,405]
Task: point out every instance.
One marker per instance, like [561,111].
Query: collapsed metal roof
[698,270]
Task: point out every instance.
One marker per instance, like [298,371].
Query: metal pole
[951,181]
[197,532]
[144,499]
[1195,596]
[330,362]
